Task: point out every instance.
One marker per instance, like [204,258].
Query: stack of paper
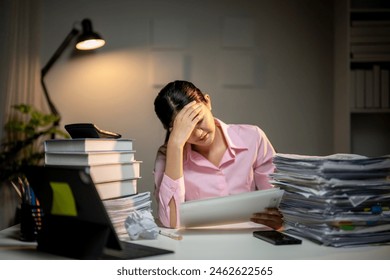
[336,200]
[118,209]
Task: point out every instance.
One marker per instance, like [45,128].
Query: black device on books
[75,222]
[276,237]
[89,130]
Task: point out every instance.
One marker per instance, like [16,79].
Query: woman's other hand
[272,218]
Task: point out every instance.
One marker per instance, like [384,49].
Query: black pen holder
[30,222]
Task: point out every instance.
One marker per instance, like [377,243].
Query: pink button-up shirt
[244,167]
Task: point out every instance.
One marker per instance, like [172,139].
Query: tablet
[228,209]
[75,222]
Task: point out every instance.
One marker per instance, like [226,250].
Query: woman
[203,157]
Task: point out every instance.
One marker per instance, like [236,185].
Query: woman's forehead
[177,111]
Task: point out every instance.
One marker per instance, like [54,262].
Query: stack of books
[110,162]
[113,169]
[337,200]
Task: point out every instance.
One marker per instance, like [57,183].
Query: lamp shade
[89,40]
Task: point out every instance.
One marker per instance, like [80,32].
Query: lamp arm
[52,107]
[59,51]
[50,63]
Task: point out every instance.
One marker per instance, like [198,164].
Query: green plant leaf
[25,134]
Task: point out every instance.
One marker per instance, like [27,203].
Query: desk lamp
[87,40]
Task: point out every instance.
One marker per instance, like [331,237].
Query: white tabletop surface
[213,244]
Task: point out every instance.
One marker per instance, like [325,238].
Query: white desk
[219,244]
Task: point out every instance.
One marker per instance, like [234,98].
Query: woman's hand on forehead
[185,122]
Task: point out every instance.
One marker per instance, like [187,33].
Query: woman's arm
[167,191]
[183,125]
[174,170]
[263,165]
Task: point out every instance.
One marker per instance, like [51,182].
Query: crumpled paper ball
[140,223]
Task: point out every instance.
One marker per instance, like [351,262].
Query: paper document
[228,209]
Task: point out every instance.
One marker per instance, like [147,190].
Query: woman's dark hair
[172,98]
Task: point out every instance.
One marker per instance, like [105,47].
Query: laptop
[230,209]
[75,223]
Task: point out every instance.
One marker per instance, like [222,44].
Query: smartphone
[276,238]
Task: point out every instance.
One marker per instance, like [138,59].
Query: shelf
[368,41]
[370,111]
[371,16]
[370,10]
[362,74]
[370,60]
[367,64]
[369,4]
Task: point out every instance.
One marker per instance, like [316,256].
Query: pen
[30,192]
[22,190]
[16,189]
[171,235]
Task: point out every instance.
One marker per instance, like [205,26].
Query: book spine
[115,172]
[87,145]
[117,189]
[385,88]
[377,39]
[360,88]
[353,93]
[376,86]
[371,48]
[368,89]
[88,158]
[369,30]
[369,57]
[370,23]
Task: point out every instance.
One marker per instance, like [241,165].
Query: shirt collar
[233,140]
